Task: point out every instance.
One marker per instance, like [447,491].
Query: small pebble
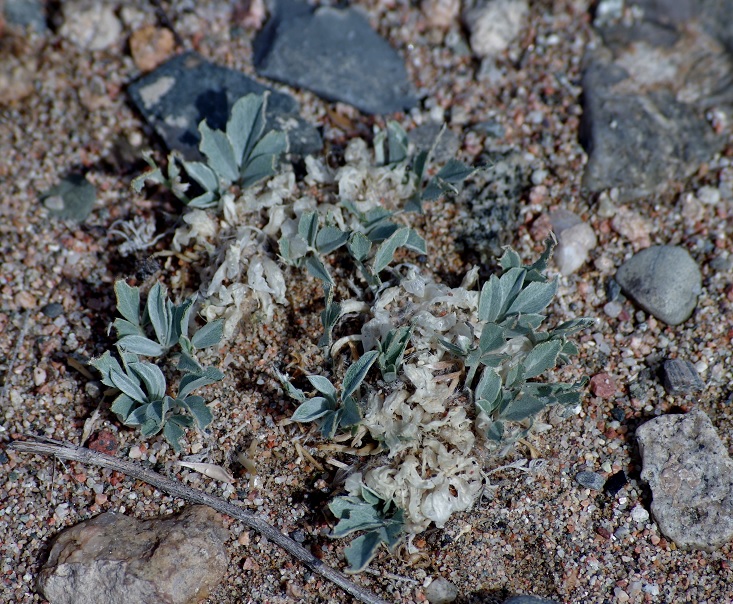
[135,452]
[150,46]
[612,309]
[39,376]
[441,591]
[25,300]
[603,385]
[681,377]
[590,480]
[52,310]
[639,514]
[494,25]
[615,482]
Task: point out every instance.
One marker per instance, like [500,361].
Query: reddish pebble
[605,533]
[104,442]
[602,385]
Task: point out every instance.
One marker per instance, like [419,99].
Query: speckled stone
[590,480]
[664,280]
[691,477]
[681,377]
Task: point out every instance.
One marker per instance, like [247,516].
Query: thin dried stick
[175,488]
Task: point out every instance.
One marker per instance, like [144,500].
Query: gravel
[535,530]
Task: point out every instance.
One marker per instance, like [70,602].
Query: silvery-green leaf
[510,259]
[488,407]
[318,269]
[292,391]
[257,169]
[492,337]
[137,417]
[386,250]
[330,423]
[173,434]
[569,349]
[152,377]
[129,385]
[452,348]
[433,191]
[419,164]
[198,409]
[495,431]
[105,365]
[489,301]
[209,335]
[329,316]
[540,265]
[533,298]
[154,176]
[181,317]
[158,313]
[356,518]
[150,427]
[359,246]
[203,201]
[323,385]
[356,373]
[415,242]
[454,172]
[156,411]
[541,358]
[246,125]
[140,345]
[397,143]
[190,382]
[124,328]
[510,285]
[187,363]
[219,153]
[128,301]
[521,408]
[203,175]
[308,227]
[313,409]
[489,386]
[123,406]
[329,239]
[514,376]
[574,325]
[361,551]
[350,416]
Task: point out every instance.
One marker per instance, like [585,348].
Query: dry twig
[177,489]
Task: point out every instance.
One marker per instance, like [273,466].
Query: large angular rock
[664,280]
[182,92]
[646,92]
[691,478]
[334,53]
[116,559]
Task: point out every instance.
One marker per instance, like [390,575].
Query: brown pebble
[605,533]
[150,46]
[603,385]
[104,442]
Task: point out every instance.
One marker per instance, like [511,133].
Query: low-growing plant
[474,380]
[243,154]
[155,331]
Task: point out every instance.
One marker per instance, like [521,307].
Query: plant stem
[177,489]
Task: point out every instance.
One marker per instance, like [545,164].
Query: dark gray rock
[53,310]
[691,478]
[182,92]
[646,92]
[121,560]
[590,480]
[26,13]
[334,53]
[529,600]
[664,280]
[680,377]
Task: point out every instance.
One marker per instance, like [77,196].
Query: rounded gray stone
[664,280]
[590,480]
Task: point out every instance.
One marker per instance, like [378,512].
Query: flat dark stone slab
[681,377]
[182,92]
[334,53]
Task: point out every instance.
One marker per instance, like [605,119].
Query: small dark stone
[615,482]
[298,535]
[335,53]
[681,377]
[53,310]
[618,414]
[188,89]
[529,600]
[4,457]
[590,480]
[613,290]
[146,267]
